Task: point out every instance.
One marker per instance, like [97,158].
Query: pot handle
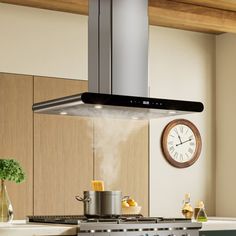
[80,199]
[125,198]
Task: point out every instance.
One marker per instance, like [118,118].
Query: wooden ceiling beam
[71,6]
[191,17]
[229,5]
[181,14]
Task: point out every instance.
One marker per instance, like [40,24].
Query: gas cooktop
[77,219]
[124,225]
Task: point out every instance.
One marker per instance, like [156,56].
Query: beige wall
[226,128]
[181,66]
[42,42]
[50,43]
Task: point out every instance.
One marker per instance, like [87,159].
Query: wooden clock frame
[165,151]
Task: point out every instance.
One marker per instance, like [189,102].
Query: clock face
[181,143]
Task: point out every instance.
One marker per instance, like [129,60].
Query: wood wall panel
[47,88]
[63,152]
[16,136]
[63,163]
[121,157]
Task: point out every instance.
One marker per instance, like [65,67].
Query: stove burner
[77,219]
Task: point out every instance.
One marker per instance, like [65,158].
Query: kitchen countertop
[21,228]
[219,223]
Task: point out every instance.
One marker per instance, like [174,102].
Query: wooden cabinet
[121,157]
[46,88]
[16,136]
[63,156]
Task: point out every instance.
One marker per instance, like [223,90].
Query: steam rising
[111,136]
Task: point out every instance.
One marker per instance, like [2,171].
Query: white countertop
[219,223]
[20,228]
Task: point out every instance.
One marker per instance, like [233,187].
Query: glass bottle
[196,209]
[187,209]
[6,210]
[201,215]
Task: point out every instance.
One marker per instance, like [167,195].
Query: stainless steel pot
[101,203]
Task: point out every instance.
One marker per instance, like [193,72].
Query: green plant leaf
[11,170]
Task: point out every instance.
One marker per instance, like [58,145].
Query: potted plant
[12,171]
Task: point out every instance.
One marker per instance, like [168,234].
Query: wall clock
[181,143]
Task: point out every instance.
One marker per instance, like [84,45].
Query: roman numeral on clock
[176,155]
[190,150]
[172,149]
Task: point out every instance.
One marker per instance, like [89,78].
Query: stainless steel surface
[99,46]
[93,47]
[78,109]
[105,42]
[111,202]
[101,203]
[140,227]
[130,47]
[118,47]
[144,233]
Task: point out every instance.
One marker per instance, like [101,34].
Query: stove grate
[122,219]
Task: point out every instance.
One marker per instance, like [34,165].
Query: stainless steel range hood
[118,68]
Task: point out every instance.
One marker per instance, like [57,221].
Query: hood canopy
[106,105]
[117,68]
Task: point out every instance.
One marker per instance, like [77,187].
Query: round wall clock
[181,143]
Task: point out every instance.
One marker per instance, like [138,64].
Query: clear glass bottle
[201,215]
[187,209]
[6,211]
[196,209]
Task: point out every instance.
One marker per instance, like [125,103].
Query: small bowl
[132,210]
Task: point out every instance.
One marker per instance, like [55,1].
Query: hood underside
[116,106]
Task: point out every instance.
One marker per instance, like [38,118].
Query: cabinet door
[121,157]
[63,156]
[16,136]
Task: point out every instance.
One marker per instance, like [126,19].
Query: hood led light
[98,106]
[135,118]
[63,113]
[172,112]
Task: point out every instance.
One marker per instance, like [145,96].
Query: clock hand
[176,131]
[180,139]
[187,141]
[183,142]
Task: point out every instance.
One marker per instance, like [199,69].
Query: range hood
[117,68]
